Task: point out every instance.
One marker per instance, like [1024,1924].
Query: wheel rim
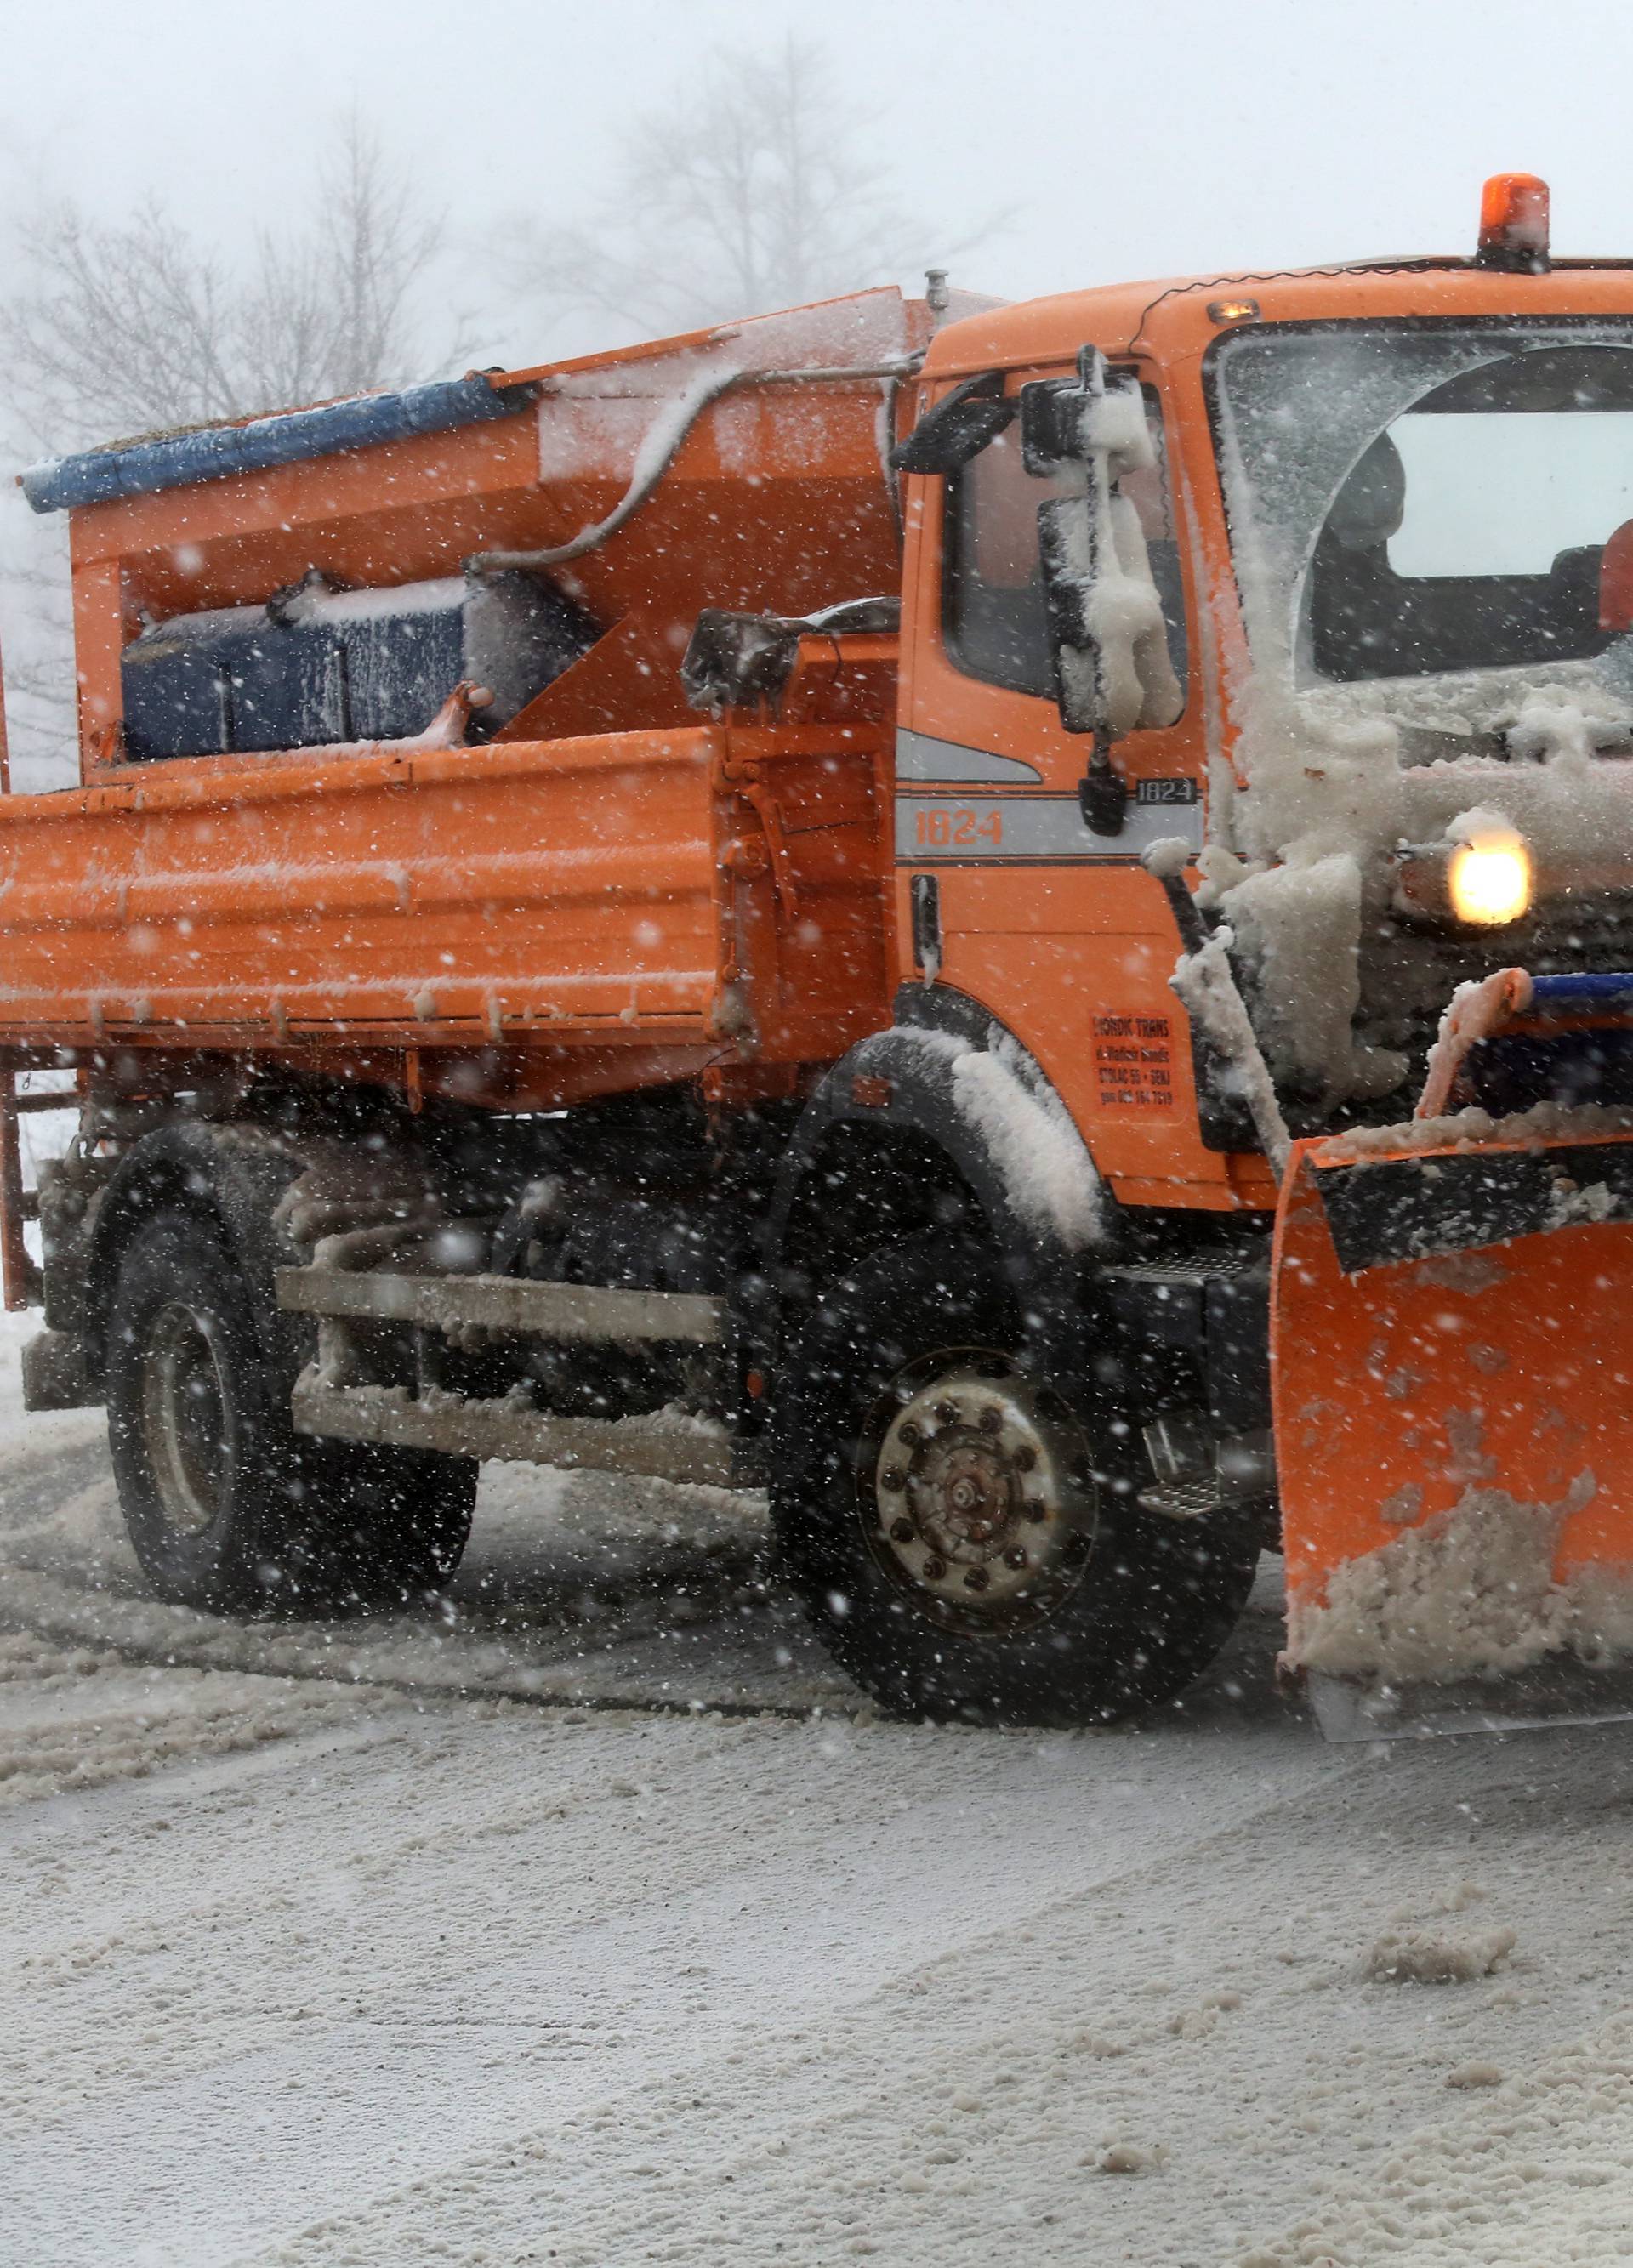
[185,1416]
[975,1492]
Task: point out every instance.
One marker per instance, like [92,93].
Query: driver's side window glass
[994,619]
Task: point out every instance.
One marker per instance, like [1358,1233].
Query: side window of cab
[994,618]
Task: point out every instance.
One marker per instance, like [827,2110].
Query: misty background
[208,211]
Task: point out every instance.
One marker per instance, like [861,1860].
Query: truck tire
[228,1508]
[948,1521]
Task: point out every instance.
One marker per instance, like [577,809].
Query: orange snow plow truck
[1012,923]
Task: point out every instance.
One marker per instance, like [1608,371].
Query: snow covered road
[595,1922]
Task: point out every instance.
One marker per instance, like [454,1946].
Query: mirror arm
[956,428]
[1102,792]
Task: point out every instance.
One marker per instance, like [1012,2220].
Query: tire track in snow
[1208,1998]
[682,1618]
[666,1612]
[706,1890]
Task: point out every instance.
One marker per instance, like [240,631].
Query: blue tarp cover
[215,453]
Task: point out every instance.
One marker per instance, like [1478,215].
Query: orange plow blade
[1451,1339]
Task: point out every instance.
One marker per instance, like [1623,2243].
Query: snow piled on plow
[1469,1593]
[1474,1129]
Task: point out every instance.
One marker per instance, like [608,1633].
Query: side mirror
[1103,613]
[1068,551]
[1055,415]
[958,428]
[1069,547]
[1057,422]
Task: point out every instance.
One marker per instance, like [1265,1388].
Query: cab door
[1049,923]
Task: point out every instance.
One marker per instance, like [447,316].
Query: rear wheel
[952,1525]
[227,1506]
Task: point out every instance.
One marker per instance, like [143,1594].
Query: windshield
[1414,500]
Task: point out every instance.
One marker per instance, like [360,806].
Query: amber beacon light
[1513,223]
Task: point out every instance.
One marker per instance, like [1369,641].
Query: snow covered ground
[594,1920]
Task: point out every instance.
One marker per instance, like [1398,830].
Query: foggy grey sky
[1123,138]
[1140,139]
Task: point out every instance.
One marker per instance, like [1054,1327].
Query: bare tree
[751,192]
[120,330]
[140,327]
[330,313]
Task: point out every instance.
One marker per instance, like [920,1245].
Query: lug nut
[908,1432]
[976,1579]
[893,1478]
[947,1413]
[1033,1510]
[901,1531]
[933,1570]
[1015,1556]
[990,1419]
[1025,1458]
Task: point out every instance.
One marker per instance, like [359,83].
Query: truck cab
[1384,515]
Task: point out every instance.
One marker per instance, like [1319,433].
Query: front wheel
[227,1507]
[950,1523]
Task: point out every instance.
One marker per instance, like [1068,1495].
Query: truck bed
[518,925]
[553,882]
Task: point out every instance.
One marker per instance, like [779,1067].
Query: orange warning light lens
[1233,311]
[1513,221]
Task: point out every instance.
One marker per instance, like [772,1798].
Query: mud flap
[1452,1343]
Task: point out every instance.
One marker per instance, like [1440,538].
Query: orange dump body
[608,890]
[547,920]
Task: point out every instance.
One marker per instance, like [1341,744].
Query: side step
[667,1446]
[1214,1307]
[1186,1500]
[504,1303]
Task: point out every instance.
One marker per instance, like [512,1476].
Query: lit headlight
[1488,880]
